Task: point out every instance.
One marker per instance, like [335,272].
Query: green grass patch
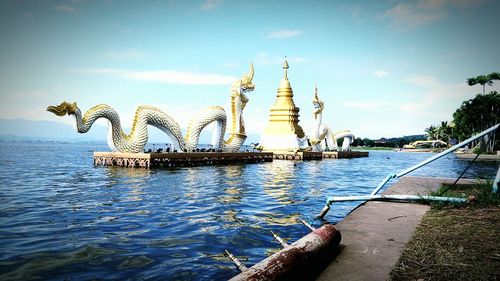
[480,195]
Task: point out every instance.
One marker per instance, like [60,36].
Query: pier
[344,154]
[306,155]
[161,160]
[158,160]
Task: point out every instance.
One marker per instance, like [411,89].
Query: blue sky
[383,68]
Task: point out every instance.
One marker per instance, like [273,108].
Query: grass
[455,242]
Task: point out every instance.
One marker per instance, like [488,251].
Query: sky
[383,68]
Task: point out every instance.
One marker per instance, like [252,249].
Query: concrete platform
[482,157]
[156,160]
[310,155]
[176,159]
[344,154]
[306,155]
[374,234]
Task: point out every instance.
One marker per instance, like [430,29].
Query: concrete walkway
[373,235]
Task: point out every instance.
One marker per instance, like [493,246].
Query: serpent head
[63,108]
[317,103]
[246,81]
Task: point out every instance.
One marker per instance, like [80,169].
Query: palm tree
[483,80]
[444,131]
[432,132]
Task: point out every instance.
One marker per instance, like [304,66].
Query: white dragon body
[322,137]
[149,115]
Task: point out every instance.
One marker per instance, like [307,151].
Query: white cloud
[231,64]
[126,54]
[122,28]
[438,100]
[380,73]
[166,76]
[370,106]
[426,81]
[264,58]
[413,14]
[356,11]
[284,33]
[66,8]
[211,4]
[467,3]
[421,101]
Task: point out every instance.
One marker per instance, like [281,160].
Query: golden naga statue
[149,115]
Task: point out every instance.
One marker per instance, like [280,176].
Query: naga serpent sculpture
[149,115]
[321,134]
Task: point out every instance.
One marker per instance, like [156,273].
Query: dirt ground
[455,242]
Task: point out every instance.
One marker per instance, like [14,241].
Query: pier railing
[373,195]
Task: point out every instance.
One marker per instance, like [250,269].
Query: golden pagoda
[283,132]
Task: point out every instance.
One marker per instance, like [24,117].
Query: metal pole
[451,149]
[380,185]
[325,209]
[329,201]
[435,157]
[280,240]
[460,176]
[236,261]
[307,224]
[372,197]
[496,182]
[396,197]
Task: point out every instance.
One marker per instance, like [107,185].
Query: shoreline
[375,233]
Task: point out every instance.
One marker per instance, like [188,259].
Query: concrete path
[373,235]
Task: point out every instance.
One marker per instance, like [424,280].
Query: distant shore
[361,148]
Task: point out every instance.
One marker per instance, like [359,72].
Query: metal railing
[496,182]
[374,196]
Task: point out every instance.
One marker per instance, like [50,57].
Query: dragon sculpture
[322,135]
[149,115]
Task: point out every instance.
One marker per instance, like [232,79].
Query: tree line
[472,117]
[386,142]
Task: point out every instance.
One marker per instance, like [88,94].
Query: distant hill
[22,129]
[47,130]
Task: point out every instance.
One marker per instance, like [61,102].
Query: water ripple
[62,218]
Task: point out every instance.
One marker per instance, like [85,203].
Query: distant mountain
[47,130]
[22,129]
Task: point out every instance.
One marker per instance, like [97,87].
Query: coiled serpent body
[149,115]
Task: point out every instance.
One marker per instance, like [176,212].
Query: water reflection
[278,181]
[280,219]
[133,179]
[192,176]
[232,184]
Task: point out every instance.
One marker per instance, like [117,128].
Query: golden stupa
[283,132]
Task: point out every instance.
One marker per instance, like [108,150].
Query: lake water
[63,218]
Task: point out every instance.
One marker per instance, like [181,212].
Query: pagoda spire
[286,67]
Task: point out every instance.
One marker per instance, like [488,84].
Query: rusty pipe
[301,260]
